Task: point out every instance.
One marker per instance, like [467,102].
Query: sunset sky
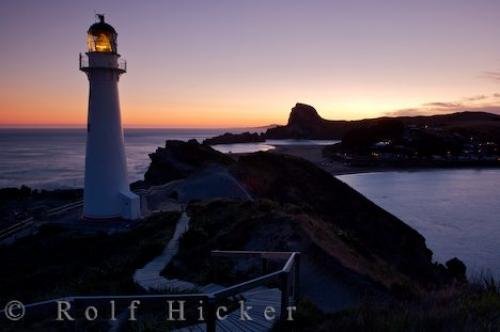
[246,63]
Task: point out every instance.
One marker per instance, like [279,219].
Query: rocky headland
[178,159]
[465,139]
[229,138]
[304,122]
[323,217]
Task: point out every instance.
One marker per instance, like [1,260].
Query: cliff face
[304,115]
[305,122]
[346,225]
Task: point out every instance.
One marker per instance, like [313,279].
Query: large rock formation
[303,115]
[304,122]
[179,159]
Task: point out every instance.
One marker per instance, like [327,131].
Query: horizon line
[131,126]
[126,127]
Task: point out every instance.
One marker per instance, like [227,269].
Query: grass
[57,262]
[472,307]
[218,225]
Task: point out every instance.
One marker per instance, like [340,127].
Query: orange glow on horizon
[180,117]
[197,115]
[174,116]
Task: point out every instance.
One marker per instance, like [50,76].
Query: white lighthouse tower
[106,194]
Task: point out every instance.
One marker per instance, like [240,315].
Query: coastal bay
[326,220]
[61,156]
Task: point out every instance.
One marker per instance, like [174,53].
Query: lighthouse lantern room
[106,194]
[101,37]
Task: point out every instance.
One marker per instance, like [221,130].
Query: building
[107,193]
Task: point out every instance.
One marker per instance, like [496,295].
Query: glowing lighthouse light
[106,193]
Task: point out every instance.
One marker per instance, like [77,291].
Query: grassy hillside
[57,262]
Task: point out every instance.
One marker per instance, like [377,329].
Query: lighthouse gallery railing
[84,63]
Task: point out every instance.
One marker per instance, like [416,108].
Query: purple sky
[233,63]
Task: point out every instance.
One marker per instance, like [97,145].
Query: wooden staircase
[258,299]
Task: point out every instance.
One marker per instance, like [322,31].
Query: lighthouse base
[128,207]
[131,205]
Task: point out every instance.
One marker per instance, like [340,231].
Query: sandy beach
[314,155]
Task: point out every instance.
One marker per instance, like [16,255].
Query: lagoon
[457,211]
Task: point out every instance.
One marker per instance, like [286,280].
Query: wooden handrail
[20,223]
[288,281]
[244,286]
[9,231]
[289,263]
[263,254]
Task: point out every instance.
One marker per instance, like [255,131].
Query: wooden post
[211,318]
[265,265]
[284,295]
[296,283]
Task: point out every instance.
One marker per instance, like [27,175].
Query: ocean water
[457,211]
[55,158]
